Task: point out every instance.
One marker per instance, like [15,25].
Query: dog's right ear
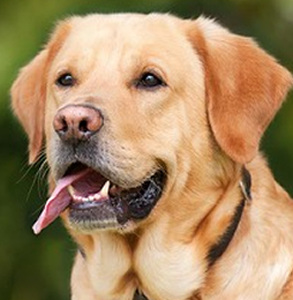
[28,92]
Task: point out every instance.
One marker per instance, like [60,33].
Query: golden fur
[222,93]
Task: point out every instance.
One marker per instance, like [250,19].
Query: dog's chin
[98,204]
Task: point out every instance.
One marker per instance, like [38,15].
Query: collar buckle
[245,185]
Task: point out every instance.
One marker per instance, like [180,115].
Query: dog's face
[131,80]
[135,79]
[134,108]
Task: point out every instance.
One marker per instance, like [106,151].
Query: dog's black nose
[77,122]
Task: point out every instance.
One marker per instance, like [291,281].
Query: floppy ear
[28,101]
[29,91]
[244,87]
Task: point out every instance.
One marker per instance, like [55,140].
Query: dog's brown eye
[66,80]
[149,80]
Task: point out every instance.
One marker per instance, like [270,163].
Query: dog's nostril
[64,126]
[83,126]
[60,125]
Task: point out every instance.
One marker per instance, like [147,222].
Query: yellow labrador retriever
[152,126]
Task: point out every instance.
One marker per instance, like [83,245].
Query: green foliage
[39,268]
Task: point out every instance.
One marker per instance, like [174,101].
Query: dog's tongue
[58,202]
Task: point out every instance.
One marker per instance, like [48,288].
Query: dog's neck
[220,246]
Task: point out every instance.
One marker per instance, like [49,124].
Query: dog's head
[136,108]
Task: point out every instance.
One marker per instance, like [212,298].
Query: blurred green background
[38,268]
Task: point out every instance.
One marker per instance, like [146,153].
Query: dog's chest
[167,270]
[159,270]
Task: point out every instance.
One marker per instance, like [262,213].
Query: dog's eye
[65,80]
[149,80]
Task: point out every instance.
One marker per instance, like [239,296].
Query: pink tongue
[58,202]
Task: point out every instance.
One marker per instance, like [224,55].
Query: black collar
[139,296]
[220,247]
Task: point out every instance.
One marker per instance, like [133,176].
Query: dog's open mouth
[94,202]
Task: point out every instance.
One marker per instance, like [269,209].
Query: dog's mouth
[94,202]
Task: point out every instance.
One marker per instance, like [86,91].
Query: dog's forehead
[125,26]
[105,34]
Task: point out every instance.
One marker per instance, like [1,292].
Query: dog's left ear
[28,101]
[244,87]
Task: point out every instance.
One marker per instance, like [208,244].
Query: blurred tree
[39,268]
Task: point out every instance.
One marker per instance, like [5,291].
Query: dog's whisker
[26,169]
[37,175]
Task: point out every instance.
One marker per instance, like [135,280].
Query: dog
[151,126]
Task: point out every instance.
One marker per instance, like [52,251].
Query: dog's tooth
[71,191]
[91,198]
[97,196]
[104,192]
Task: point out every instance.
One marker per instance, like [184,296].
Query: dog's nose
[77,122]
